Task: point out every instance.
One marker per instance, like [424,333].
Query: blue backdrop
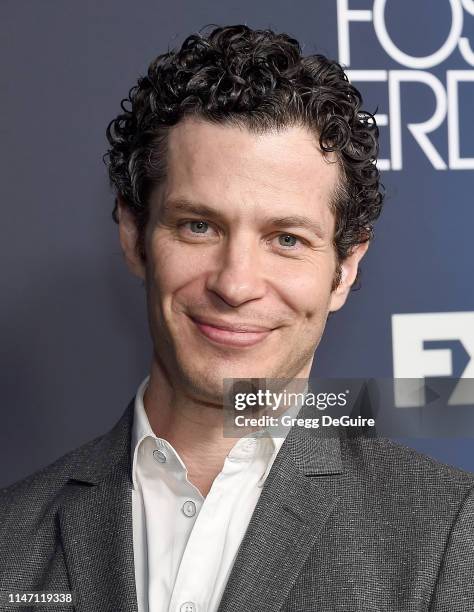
[74,332]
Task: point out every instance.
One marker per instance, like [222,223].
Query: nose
[238,276]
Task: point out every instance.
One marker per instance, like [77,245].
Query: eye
[287,240]
[198,227]
[194,227]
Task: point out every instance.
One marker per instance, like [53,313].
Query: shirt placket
[201,560]
[168,496]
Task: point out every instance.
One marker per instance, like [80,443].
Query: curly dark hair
[260,80]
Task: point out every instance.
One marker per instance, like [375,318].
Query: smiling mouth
[231,336]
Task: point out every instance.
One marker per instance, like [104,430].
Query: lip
[240,335]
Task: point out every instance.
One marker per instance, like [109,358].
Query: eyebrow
[202,210]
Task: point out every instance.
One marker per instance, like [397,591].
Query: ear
[128,234]
[349,269]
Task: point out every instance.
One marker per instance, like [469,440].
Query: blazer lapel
[96,528]
[293,507]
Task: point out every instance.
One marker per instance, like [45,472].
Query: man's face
[226,245]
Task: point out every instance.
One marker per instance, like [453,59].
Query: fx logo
[411,360]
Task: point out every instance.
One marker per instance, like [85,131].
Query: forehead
[230,166]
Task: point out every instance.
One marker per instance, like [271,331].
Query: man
[246,196]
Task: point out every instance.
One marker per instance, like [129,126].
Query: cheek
[174,282]
[308,293]
[167,268]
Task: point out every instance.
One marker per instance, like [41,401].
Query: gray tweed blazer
[344,523]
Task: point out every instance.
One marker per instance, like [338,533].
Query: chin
[213,377]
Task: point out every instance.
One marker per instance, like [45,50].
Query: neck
[193,427]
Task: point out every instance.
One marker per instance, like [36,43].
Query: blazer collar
[315,451]
[95,521]
[109,451]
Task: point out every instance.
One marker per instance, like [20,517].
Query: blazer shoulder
[401,454]
[86,463]
[405,470]
[404,490]
[30,495]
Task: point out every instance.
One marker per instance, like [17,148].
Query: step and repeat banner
[75,336]
[414,63]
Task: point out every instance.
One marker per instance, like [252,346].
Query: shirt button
[189,606]
[159,456]
[189,509]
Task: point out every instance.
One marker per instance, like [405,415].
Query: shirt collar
[141,429]
[141,425]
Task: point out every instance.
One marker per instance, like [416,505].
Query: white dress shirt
[184,544]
